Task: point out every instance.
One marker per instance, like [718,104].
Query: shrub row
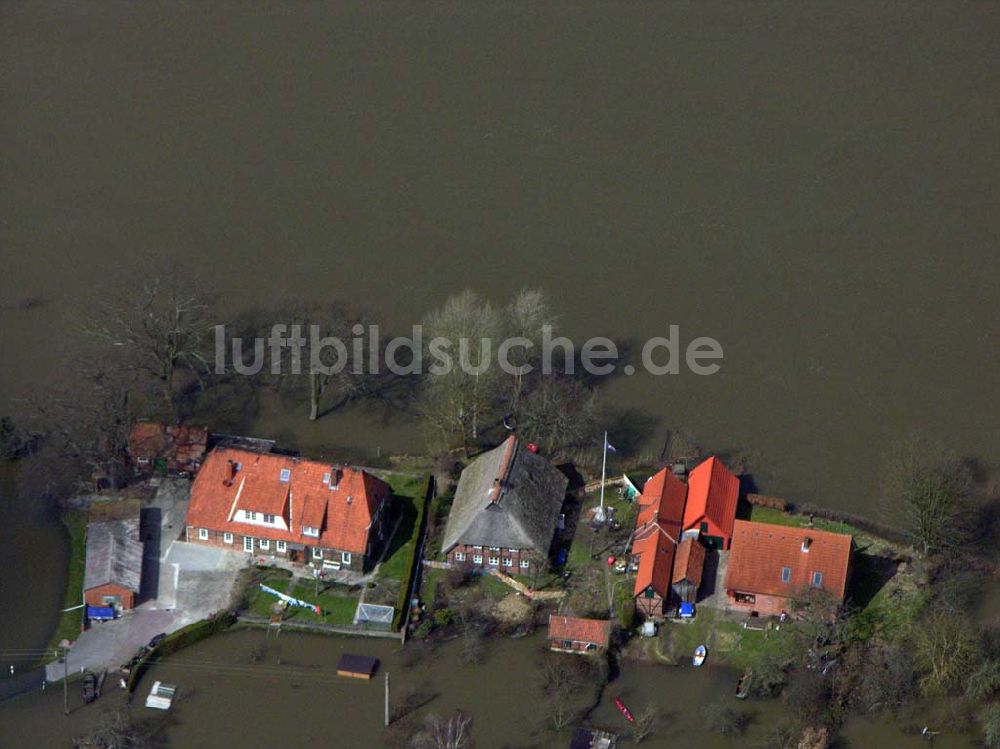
[860,522]
[761,500]
[182,638]
[413,563]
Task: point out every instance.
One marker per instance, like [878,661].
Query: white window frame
[512,551]
[494,548]
[317,553]
[308,530]
[478,548]
[345,557]
[269,519]
[477,558]
[265,543]
[250,515]
[285,475]
[227,537]
[203,534]
[459,556]
[508,562]
[494,561]
[525,564]
[281,546]
[248,544]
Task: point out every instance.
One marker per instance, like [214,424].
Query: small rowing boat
[700,653]
[624,710]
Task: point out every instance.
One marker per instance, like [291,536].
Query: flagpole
[604,473]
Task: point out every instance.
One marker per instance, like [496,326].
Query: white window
[508,562]
[285,475]
[317,553]
[494,561]
[203,534]
[345,557]
[227,537]
[326,478]
[477,558]
[251,515]
[248,544]
[512,551]
[459,556]
[478,548]
[524,564]
[281,546]
[265,543]
[310,531]
[494,548]
[269,519]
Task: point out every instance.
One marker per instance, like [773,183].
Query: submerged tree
[927,495]
[946,649]
[445,732]
[161,326]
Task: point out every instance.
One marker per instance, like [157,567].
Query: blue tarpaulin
[100,613]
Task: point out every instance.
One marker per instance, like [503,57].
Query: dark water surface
[812,184]
[289,692]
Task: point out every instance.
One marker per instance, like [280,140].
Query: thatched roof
[508,497]
[114,554]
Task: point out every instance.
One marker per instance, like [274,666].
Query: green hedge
[182,638]
[413,562]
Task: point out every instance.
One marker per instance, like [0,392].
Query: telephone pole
[65,681]
[386,699]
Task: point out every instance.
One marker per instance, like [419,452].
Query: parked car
[157,639]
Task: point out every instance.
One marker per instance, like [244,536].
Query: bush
[626,614]
[725,720]
[444,617]
[459,576]
[984,682]
[989,721]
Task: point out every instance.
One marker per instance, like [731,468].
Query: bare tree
[645,723]
[558,413]
[451,732]
[946,650]
[926,492]
[524,317]
[114,729]
[461,400]
[163,326]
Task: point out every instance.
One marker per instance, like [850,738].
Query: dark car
[157,639]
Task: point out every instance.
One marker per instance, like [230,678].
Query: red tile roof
[343,515]
[580,630]
[760,551]
[658,529]
[689,563]
[182,446]
[712,494]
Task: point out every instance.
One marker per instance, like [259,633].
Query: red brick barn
[713,493]
[113,569]
[770,566]
[569,634]
[654,543]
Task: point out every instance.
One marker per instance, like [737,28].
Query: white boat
[161,696]
[700,653]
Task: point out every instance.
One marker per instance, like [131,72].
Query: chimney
[806,543]
[230,473]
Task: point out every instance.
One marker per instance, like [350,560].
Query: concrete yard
[181,583]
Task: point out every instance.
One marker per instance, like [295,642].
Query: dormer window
[308,530]
[285,476]
[326,478]
[806,543]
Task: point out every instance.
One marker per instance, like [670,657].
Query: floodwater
[34,552]
[811,184]
[265,689]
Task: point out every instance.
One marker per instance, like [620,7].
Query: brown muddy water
[811,184]
[293,694]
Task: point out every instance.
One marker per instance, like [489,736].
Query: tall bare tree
[524,317]
[461,399]
[445,732]
[162,325]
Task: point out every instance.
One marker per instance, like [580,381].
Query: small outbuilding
[357,666]
[113,569]
[689,565]
[569,634]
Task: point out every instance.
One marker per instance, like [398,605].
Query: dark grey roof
[114,554]
[524,514]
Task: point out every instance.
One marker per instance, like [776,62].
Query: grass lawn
[337,602]
[70,622]
[777,517]
[726,640]
[408,497]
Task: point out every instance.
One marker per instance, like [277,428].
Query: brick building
[276,506]
[505,510]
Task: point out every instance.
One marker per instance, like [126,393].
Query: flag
[608,446]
